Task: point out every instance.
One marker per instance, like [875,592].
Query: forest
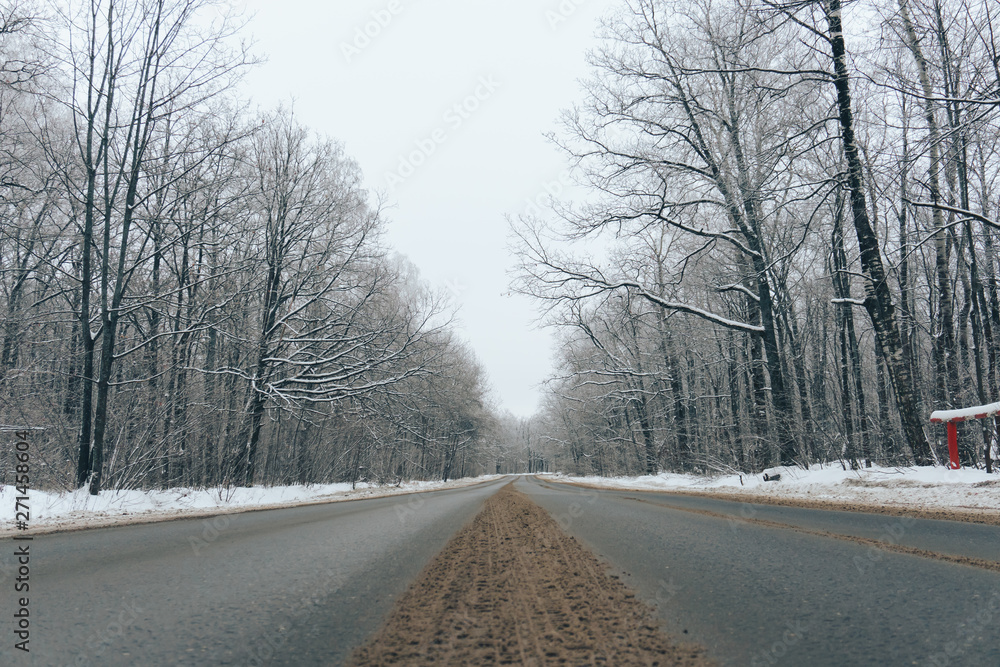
[787,251]
[783,252]
[197,294]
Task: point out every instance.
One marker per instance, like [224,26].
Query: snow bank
[929,488]
[76,509]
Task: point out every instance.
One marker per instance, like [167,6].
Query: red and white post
[951,419]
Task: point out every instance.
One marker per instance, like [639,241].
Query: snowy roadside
[937,489]
[51,511]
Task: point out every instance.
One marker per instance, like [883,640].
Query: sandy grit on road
[513,588]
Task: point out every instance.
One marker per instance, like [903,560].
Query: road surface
[305,586]
[756,594]
[298,586]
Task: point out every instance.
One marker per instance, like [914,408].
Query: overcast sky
[444,104]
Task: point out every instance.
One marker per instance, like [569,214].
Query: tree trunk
[648,440]
[878,302]
[799,364]
[944,335]
[845,390]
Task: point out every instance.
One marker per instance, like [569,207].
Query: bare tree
[686,129]
[322,324]
[132,66]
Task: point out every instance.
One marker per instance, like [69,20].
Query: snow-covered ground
[49,511]
[930,489]
[925,488]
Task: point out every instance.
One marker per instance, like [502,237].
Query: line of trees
[801,207]
[194,294]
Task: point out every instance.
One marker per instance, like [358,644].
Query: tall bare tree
[132,66]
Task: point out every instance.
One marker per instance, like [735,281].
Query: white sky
[512,66]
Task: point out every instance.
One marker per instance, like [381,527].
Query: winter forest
[195,294]
[785,253]
[799,205]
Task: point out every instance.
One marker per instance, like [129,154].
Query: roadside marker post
[951,419]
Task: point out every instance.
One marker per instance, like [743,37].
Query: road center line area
[513,588]
[534,573]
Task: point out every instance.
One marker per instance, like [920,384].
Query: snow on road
[79,509]
[926,488]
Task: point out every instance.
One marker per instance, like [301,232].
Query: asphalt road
[299,586]
[956,538]
[304,586]
[764,595]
